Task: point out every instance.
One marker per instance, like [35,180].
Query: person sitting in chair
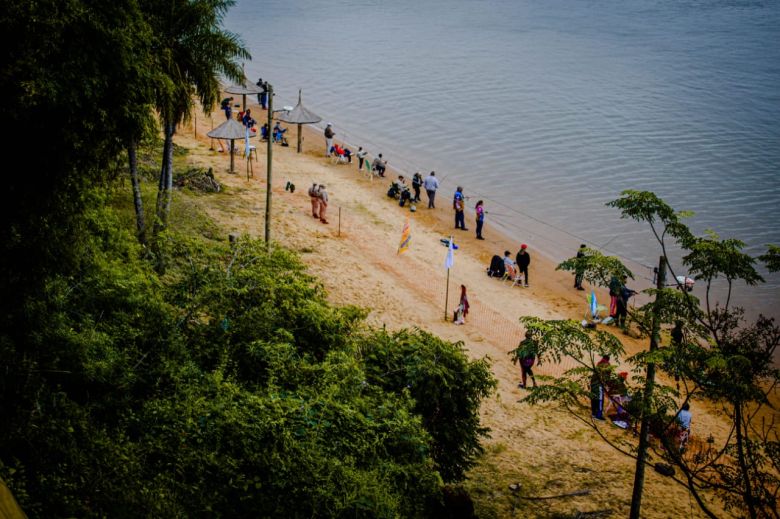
[248,121]
[379,165]
[264,132]
[279,133]
[510,269]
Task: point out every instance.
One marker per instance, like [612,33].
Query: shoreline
[359,266]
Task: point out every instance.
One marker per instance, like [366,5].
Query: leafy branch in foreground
[714,354]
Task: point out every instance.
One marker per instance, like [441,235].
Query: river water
[548,109]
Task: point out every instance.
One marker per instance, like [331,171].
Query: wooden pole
[231,154]
[268,169]
[195,123]
[447,294]
[299,137]
[243,102]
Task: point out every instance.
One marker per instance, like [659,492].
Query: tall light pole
[268,168]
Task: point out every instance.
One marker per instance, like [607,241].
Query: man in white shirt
[431,184]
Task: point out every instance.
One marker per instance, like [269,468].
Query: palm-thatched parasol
[298,115]
[245,88]
[230,130]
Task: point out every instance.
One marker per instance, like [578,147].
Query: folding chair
[367,166]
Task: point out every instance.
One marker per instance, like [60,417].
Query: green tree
[722,358]
[446,386]
[193,51]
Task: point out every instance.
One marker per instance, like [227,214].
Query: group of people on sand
[319,202]
[515,269]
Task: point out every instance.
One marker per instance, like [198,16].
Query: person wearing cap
[329,133]
[523,260]
[323,199]
[315,200]
[579,268]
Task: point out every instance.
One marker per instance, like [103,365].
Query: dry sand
[546,450]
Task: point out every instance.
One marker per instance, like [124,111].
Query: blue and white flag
[594,306]
[450,259]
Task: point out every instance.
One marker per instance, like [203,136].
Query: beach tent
[230,130]
[298,115]
[244,89]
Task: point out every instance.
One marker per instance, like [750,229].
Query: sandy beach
[355,257]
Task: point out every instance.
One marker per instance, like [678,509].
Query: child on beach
[463,307]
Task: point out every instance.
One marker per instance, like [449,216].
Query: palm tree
[193,52]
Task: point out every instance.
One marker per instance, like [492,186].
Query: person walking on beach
[417,182]
[329,133]
[323,199]
[431,184]
[463,307]
[579,268]
[314,196]
[361,156]
[480,211]
[525,354]
[523,260]
[457,204]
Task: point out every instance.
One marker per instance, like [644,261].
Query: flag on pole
[450,259]
[594,306]
[246,142]
[406,237]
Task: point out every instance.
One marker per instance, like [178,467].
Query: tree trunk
[644,430]
[165,186]
[140,224]
[747,493]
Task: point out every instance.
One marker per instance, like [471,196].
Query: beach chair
[367,167]
[514,275]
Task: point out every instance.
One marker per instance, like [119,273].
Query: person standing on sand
[329,134]
[225,105]
[525,354]
[457,204]
[463,307]
[597,382]
[579,268]
[523,260]
[431,184]
[315,200]
[614,294]
[262,97]
[480,211]
[323,196]
[417,182]
[361,155]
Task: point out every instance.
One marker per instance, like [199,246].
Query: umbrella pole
[231,155]
[268,169]
[299,137]
[243,102]
[211,148]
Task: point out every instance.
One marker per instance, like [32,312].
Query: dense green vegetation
[226,385]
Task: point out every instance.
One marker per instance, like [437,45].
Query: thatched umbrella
[244,89]
[298,115]
[230,130]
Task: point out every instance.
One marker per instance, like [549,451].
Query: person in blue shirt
[457,204]
[247,119]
